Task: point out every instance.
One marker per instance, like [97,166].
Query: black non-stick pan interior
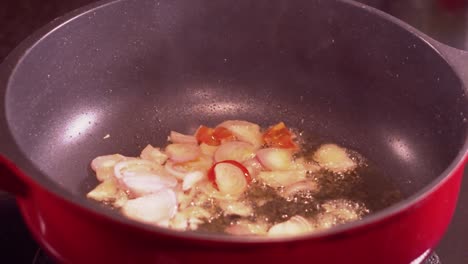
[134,70]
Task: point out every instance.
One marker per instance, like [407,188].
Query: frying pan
[137,69]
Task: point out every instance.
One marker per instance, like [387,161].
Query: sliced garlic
[234,150]
[153,154]
[183,152]
[207,149]
[277,179]
[339,211]
[334,158]
[296,225]
[104,166]
[244,131]
[236,208]
[300,187]
[106,191]
[106,161]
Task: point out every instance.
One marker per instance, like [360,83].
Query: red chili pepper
[212,174]
[205,135]
[279,136]
[213,137]
[222,133]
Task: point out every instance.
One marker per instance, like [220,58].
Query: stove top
[443,20]
[41,258]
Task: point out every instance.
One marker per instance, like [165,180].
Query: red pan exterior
[72,234]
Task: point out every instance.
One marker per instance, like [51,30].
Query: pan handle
[458,59]
[11,178]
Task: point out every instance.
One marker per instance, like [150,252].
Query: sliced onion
[153,154]
[275,158]
[229,177]
[334,158]
[244,131]
[157,208]
[176,137]
[296,225]
[183,152]
[147,184]
[282,178]
[234,150]
[180,170]
[142,177]
[191,179]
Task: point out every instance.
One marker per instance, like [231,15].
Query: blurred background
[443,20]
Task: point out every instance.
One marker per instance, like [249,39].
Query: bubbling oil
[338,198]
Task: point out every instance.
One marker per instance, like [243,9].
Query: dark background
[444,20]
